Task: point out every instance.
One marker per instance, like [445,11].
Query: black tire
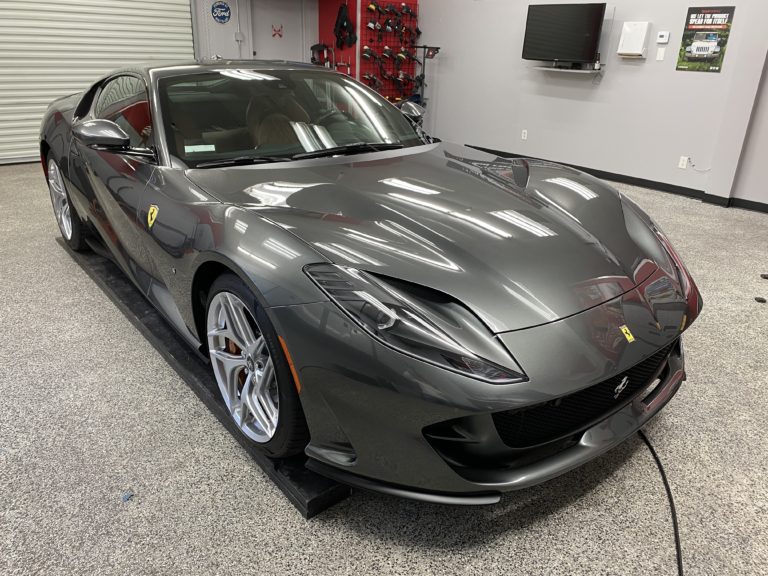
[291,434]
[76,240]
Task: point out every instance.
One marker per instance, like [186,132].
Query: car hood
[521,242]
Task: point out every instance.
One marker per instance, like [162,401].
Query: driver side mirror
[101,134]
[413,112]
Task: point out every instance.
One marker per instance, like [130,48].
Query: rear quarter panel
[56,139]
[56,127]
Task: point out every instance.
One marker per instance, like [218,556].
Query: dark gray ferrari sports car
[417,317]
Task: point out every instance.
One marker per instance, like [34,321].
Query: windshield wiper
[348,149]
[241,160]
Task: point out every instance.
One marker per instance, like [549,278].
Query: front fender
[269,258]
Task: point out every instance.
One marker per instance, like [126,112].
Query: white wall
[637,120]
[751,182]
[254,20]
[215,39]
[297,20]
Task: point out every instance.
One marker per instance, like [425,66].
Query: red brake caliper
[234,349]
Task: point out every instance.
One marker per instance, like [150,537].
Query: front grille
[573,413]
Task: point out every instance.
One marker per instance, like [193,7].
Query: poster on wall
[705,37]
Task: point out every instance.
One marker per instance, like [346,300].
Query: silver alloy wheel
[243,367]
[59,200]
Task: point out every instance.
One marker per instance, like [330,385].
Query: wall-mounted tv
[563,32]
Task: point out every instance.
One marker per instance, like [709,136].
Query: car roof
[176,68]
[164,69]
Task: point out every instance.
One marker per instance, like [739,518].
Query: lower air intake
[571,414]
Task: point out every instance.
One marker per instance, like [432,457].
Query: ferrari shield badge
[151,215]
[627,333]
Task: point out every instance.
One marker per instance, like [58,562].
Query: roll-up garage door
[58,47]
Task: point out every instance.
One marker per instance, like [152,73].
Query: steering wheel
[328,115]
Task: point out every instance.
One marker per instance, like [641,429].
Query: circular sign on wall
[221,12]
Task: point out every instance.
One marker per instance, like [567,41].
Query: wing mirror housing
[413,112]
[415,115]
[105,135]
[101,135]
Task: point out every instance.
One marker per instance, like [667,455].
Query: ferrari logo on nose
[151,215]
[627,333]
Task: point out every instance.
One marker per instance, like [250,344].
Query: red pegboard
[391,76]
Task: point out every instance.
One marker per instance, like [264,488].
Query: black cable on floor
[672,509]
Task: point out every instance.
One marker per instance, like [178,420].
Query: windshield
[235,113]
[705,37]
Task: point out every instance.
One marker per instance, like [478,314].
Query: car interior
[212,115]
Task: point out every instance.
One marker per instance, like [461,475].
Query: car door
[178,220]
[113,182]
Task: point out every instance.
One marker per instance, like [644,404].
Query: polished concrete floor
[90,411]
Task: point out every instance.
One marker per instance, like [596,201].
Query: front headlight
[427,326]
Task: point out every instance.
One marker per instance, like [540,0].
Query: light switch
[660,51]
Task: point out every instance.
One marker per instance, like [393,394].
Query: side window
[124,101]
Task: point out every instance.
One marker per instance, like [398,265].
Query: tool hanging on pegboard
[344,29]
[323,55]
[388,58]
[344,68]
[337,29]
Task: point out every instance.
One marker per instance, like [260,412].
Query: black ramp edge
[309,492]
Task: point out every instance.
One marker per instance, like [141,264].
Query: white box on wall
[634,39]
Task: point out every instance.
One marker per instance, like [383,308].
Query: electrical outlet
[683,163]
[524,135]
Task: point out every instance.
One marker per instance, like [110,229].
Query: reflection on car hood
[520,242]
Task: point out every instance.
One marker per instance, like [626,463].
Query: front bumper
[593,442]
[371,410]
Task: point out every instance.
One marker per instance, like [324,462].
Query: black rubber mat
[308,491]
